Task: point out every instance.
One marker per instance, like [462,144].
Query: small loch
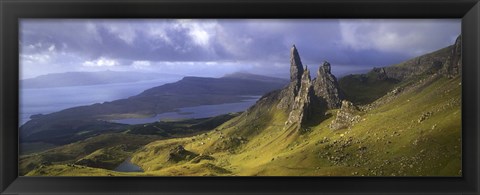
[128,166]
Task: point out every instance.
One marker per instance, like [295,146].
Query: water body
[48,100]
[195,112]
[128,166]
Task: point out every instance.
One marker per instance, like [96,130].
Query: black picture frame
[12,10]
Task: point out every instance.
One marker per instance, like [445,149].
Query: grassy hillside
[413,130]
[366,88]
[104,151]
[109,150]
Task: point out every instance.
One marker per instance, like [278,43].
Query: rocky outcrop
[381,73]
[453,64]
[347,116]
[326,87]
[296,66]
[302,108]
[296,72]
[179,153]
[446,61]
[306,100]
[426,64]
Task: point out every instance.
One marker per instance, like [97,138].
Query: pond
[128,166]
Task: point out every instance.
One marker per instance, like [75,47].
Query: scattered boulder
[424,116]
[202,157]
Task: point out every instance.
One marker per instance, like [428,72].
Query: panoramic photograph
[240,97]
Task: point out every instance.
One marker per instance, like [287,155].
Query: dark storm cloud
[83,44]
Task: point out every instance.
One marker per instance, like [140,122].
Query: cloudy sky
[203,47]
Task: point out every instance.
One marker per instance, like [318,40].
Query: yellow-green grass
[107,150]
[389,140]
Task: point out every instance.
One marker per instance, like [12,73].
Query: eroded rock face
[296,72]
[296,66]
[346,116]
[453,64]
[302,106]
[305,99]
[326,86]
[381,73]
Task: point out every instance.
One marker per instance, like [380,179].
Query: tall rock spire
[296,73]
[302,108]
[326,87]
[296,67]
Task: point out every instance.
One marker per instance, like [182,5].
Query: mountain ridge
[70,79]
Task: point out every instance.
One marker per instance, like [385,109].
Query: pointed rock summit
[326,86]
[306,100]
[296,67]
[296,73]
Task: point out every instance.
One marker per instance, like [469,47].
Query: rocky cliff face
[447,61]
[307,100]
[326,87]
[453,64]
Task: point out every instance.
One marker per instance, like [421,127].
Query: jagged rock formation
[326,87]
[306,99]
[179,153]
[302,108]
[296,72]
[453,64]
[346,116]
[381,73]
[429,63]
[296,66]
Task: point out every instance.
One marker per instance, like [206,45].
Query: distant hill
[247,84]
[68,79]
[243,75]
[65,126]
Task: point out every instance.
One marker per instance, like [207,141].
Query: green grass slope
[103,151]
[366,88]
[414,131]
